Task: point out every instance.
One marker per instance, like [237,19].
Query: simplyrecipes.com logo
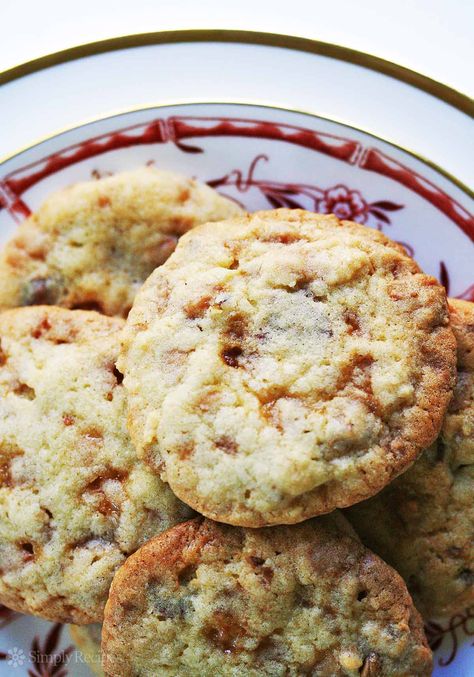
[17,658]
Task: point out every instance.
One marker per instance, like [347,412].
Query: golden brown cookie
[91,245]
[283,364]
[74,500]
[423,523]
[87,640]
[208,600]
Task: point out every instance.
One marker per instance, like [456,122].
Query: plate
[261,157]
[102,78]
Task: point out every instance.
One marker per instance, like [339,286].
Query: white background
[434,37]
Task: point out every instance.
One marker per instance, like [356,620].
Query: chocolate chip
[257,561]
[3,357]
[283,238]
[24,390]
[118,375]
[187,574]
[170,607]
[267,573]
[303,596]
[236,328]
[184,194]
[440,450]
[109,475]
[227,444]
[40,291]
[198,308]
[185,450]
[267,648]
[302,284]
[372,666]
[41,328]
[414,584]
[6,479]
[225,633]
[28,551]
[466,576]
[233,338]
[93,434]
[103,201]
[352,322]
[231,355]
[103,503]
[89,305]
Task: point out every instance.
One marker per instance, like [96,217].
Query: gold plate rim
[250,103]
[294,42]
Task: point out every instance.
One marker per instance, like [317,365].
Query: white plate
[89,81]
[262,157]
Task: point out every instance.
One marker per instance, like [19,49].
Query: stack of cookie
[276,368]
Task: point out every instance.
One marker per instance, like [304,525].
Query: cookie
[91,245]
[208,600]
[74,500]
[423,523]
[283,364]
[87,641]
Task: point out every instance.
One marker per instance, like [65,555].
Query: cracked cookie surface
[423,523]
[283,364]
[74,500]
[93,244]
[206,599]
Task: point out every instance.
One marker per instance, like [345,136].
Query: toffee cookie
[74,500]
[423,523]
[208,600]
[283,364]
[93,244]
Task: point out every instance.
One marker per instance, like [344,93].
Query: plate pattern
[179,129]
